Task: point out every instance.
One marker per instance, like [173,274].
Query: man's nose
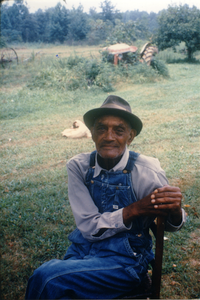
[109,136]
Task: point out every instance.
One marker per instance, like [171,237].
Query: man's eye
[119,131]
[100,129]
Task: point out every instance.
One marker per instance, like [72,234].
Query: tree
[79,24]
[18,12]
[122,33]
[127,32]
[5,21]
[30,29]
[108,12]
[99,31]
[41,20]
[179,24]
[93,13]
[153,23]
[12,18]
[59,24]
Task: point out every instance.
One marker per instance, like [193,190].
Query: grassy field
[35,213]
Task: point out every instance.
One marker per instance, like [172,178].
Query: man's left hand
[168,198]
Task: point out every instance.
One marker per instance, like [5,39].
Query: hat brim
[90,117]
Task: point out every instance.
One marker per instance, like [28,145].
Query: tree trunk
[189,53]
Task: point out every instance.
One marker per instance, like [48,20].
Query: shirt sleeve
[149,175]
[87,217]
[172,228]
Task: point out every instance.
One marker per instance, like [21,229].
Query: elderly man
[115,194]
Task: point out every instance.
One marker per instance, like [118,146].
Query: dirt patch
[193,259]
[194,263]
[195,236]
[6,89]
[184,182]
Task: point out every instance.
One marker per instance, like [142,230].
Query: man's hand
[168,198]
[161,202]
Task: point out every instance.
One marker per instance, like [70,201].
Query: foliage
[73,60]
[179,24]
[59,24]
[108,12]
[160,67]
[99,31]
[77,72]
[78,24]
[2,42]
[122,33]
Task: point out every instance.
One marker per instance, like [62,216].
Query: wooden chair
[150,287]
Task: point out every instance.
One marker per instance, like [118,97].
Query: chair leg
[156,279]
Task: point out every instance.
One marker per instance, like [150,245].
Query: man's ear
[132,135]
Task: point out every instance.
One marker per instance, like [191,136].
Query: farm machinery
[8,56]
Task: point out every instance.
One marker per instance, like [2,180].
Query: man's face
[111,134]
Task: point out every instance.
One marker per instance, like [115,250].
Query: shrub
[104,81]
[91,69]
[73,61]
[160,67]
[77,72]
[73,84]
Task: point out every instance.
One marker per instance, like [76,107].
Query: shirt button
[125,171]
[92,181]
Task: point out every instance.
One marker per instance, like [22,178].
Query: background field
[35,212]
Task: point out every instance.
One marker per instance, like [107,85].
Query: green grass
[35,213]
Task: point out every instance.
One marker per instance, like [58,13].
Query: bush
[73,84]
[92,69]
[105,78]
[73,61]
[77,72]
[160,67]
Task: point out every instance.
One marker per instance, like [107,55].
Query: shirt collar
[119,167]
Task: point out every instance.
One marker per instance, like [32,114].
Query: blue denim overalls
[104,269]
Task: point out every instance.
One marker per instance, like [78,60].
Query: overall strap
[92,158]
[131,161]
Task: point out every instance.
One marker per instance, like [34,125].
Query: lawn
[35,213]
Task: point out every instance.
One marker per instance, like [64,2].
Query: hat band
[115,107]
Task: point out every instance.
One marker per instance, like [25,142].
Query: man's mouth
[106,146]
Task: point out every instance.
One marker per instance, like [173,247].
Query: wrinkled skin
[111,134]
